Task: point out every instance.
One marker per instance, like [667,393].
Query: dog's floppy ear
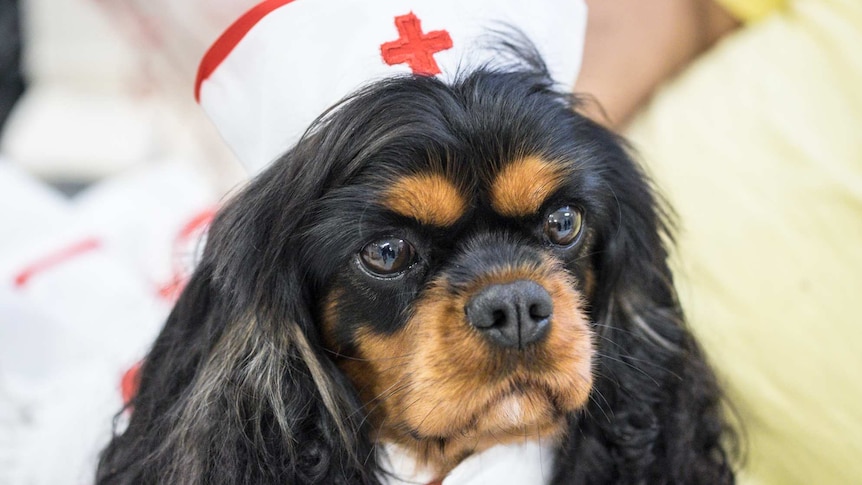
[236,388]
[655,409]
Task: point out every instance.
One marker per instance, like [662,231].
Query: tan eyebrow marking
[429,198]
[522,186]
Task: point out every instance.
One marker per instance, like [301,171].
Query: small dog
[442,267]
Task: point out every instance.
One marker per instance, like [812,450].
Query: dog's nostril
[498,318]
[540,311]
[513,314]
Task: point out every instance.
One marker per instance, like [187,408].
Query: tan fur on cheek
[522,186]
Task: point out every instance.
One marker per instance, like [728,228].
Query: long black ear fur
[655,413]
[236,388]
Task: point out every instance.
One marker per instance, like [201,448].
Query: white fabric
[530,463]
[70,327]
[305,56]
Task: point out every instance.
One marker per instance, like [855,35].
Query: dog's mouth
[522,409]
[526,408]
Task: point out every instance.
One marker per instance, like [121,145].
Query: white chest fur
[530,462]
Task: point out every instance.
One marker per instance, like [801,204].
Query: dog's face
[456,270]
[458,308]
[439,266]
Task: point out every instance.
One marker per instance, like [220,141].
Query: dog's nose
[513,314]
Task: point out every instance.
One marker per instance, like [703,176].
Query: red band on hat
[223,46]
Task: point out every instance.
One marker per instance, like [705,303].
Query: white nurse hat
[285,62]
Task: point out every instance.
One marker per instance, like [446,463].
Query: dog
[444,267]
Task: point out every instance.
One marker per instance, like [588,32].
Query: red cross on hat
[415,48]
[285,62]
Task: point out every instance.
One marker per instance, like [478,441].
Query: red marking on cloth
[55,259]
[130,382]
[223,46]
[437,482]
[415,48]
[196,223]
[172,289]
[188,233]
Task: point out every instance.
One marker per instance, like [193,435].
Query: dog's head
[443,267]
[453,268]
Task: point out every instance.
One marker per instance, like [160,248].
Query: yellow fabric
[759,148]
[750,10]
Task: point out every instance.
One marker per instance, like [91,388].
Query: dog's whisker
[632,366]
[366,359]
[628,357]
[393,389]
[631,361]
[614,328]
[599,405]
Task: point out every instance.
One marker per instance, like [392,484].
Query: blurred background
[109,174]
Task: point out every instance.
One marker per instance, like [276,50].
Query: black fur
[238,388]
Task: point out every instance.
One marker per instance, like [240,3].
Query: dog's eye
[387,257]
[563,226]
